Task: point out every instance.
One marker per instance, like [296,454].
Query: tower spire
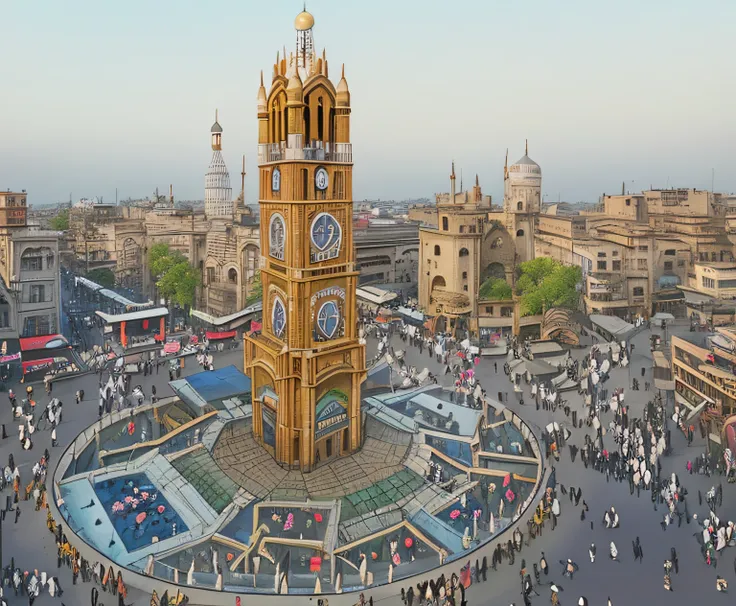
[526,147]
[242,181]
[506,166]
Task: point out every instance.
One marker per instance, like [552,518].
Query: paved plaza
[626,582]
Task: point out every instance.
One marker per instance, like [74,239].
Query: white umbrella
[363,569]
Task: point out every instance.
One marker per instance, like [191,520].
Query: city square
[307,399]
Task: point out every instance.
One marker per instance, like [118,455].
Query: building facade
[306,365]
[471,241]
[30,293]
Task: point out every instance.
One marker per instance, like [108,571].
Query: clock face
[277,237]
[278,318]
[326,236]
[276,180]
[328,319]
[321,179]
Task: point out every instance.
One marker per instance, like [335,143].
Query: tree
[544,283]
[61,221]
[103,276]
[255,293]
[175,278]
[495,289]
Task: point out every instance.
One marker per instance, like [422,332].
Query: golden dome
[304,21]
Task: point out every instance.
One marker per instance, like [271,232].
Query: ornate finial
[477,184]
[343,70]
[506,166]
[452,174]
[261,77]
[215,115]
[526,147]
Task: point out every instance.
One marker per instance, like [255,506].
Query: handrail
[161,440]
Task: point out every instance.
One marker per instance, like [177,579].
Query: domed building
[522,202]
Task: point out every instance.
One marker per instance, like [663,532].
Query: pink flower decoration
[128,499]
[161,508]
[506,480]
[317,517]
[140,517]
[396,558]
[117,506]
[289,522]
[509,495]
[477,513]
[454,514]
[144,495]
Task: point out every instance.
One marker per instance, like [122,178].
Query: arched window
[520,233]
[232,275]
[519,206]
[670,252]
[436,250]
[464,252]
[445,224]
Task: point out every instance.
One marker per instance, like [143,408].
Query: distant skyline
[99,96]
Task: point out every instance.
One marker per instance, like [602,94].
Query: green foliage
[103,276]
[255,292]
[176,279]
[544,283]
[61,221]
[495,289]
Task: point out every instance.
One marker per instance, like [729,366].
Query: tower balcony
[315,151]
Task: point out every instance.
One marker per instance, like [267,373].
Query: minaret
[452,184]
[218,196]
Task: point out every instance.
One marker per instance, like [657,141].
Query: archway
[438,282]
[493,270]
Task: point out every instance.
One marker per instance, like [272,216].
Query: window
[464,252]
[708,282]
[726,283]
[616,265]
[642,264]
[643,248]
[34,326]
[601,254]
[520,233]
[38,292]
[680,262]
[436,250]
[519,206]
[4,320]
[614,253]
[489,309]
[31,264]
[210,275]
[638,291]
[506,312]
[668,265]
[465,275]
[445,224]
[232,276]
[670,252]
[465,287]
[601,266]
[628,201]
[462,229]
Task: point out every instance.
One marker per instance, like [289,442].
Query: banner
[10,358]
[215,336]
[172,347]
[34,365]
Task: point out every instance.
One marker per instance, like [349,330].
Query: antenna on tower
[461,179]
[242,181]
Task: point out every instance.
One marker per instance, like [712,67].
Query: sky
[99,96]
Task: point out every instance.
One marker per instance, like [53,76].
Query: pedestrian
[54,442]
[591,553]
[17,513]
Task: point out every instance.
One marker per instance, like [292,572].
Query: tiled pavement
[250,466]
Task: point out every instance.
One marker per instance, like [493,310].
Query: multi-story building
[471,241]
[30,296]
[307,365]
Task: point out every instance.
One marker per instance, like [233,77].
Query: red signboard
[43,342]
[172,347]
[215,336]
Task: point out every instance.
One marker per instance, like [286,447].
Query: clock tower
[306,365]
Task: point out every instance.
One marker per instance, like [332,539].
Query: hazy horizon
[102,96]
